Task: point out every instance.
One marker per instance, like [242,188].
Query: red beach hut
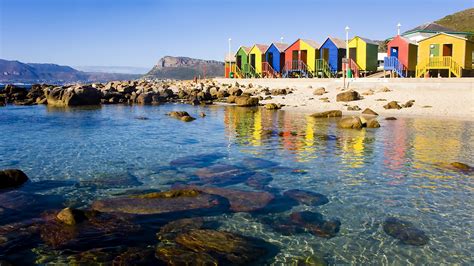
[401,56]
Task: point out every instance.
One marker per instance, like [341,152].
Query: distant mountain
[114,69]
[18,72]
[460,21]
[182,68]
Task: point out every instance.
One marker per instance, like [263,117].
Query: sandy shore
[434,98]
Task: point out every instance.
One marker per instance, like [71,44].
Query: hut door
[252,60]
[304,56]
[448,50]
[353,54]
[239,61]
[282,61]
[295,59]
[270,59]
[434,50]
[394,52]
[325,54]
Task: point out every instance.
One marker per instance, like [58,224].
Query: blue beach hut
[274,59]
[332,51]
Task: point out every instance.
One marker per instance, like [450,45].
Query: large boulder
[144,98]
[332,113]
[73,96]
[348,96]
[10,178]
[181,115]
[246,101]
[350,122]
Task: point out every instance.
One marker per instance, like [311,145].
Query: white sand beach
[434,98]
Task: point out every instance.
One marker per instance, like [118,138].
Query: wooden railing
[268,71]
[393,64]
[323,66]
[253,72]
[439,62]
[353,67]
[238,72]
[298,66]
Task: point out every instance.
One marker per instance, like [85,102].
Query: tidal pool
[78,156]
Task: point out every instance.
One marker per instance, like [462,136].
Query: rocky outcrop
[73,96]
[10,178]
[348,96]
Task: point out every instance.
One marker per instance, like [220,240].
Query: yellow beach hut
[444,54]
[256,57]
[364,53]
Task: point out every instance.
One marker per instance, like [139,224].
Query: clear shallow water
[367,175]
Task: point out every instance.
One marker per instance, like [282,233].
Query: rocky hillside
[460,21]
[185,68]
[18,72]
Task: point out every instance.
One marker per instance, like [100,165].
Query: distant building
[381,60]
[429,29]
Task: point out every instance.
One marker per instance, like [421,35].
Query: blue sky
[139,32]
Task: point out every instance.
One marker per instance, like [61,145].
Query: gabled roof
[340,44]
[281,47]
[245,48]
[407,40]
[366,40]
[429,27]
[444,33]
[311,43]
[262,47]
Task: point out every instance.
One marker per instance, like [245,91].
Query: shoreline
[449,98]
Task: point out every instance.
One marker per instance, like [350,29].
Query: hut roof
[340,44]
[429,27]
[280,46]
[312,43]
[262,47]
[447,34]
[408,40]
[245,48]
[367,40]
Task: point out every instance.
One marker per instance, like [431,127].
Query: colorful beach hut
[274,60]
[444,53]
[331,53]
[229,66]
[300,58]
[401,56]
[256,57]
[364,53]
[241,62]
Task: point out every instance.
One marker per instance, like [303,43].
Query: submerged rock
[159,203]
[240,200]
[177,255]
[169,231]
[258,163]
[332,113]
[10,178]
[71,216]
[462,166]
[196,161]
[405,231]
[306,221]
[112,181]
[372,123]
[223,174]
[272,106]
[259,180]
[226,247]
[307,197]
[390,118]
